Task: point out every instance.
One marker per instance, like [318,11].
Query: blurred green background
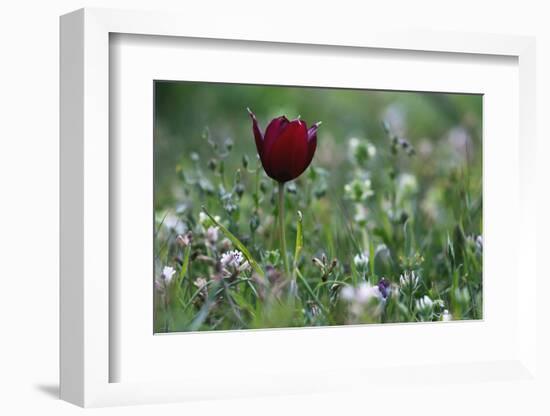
[445,129]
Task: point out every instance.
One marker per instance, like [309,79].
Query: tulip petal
[312,141]
[274,129]
[258,136]
[287,155]
[272,132]
[312,131]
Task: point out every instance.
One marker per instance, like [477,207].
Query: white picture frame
[87,356]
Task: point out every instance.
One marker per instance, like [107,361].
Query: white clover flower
[232,258]
[168,273]
[446,316]
[424,304]
[361,261]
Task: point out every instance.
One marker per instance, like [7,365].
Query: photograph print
[284,206]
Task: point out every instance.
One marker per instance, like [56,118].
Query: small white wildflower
[360,150]
[424,306]
[232,258]
[353,144]
[212,235]
[361,261]
[407,184]
[168,273]
[424,303]
[479,242]
[446,316]
[409,281]
[358,190]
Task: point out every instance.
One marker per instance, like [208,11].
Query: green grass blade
[185,265]
[310,291]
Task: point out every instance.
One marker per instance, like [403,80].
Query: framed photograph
[287,213]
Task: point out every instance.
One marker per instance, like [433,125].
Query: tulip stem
[282,227]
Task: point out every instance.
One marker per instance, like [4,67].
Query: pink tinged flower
[286,148]
[212,235]
[232,258]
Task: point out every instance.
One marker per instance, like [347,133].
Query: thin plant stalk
[282,227]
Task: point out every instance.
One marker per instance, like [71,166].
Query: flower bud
[286,148]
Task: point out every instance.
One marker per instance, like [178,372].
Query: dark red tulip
[286,148]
